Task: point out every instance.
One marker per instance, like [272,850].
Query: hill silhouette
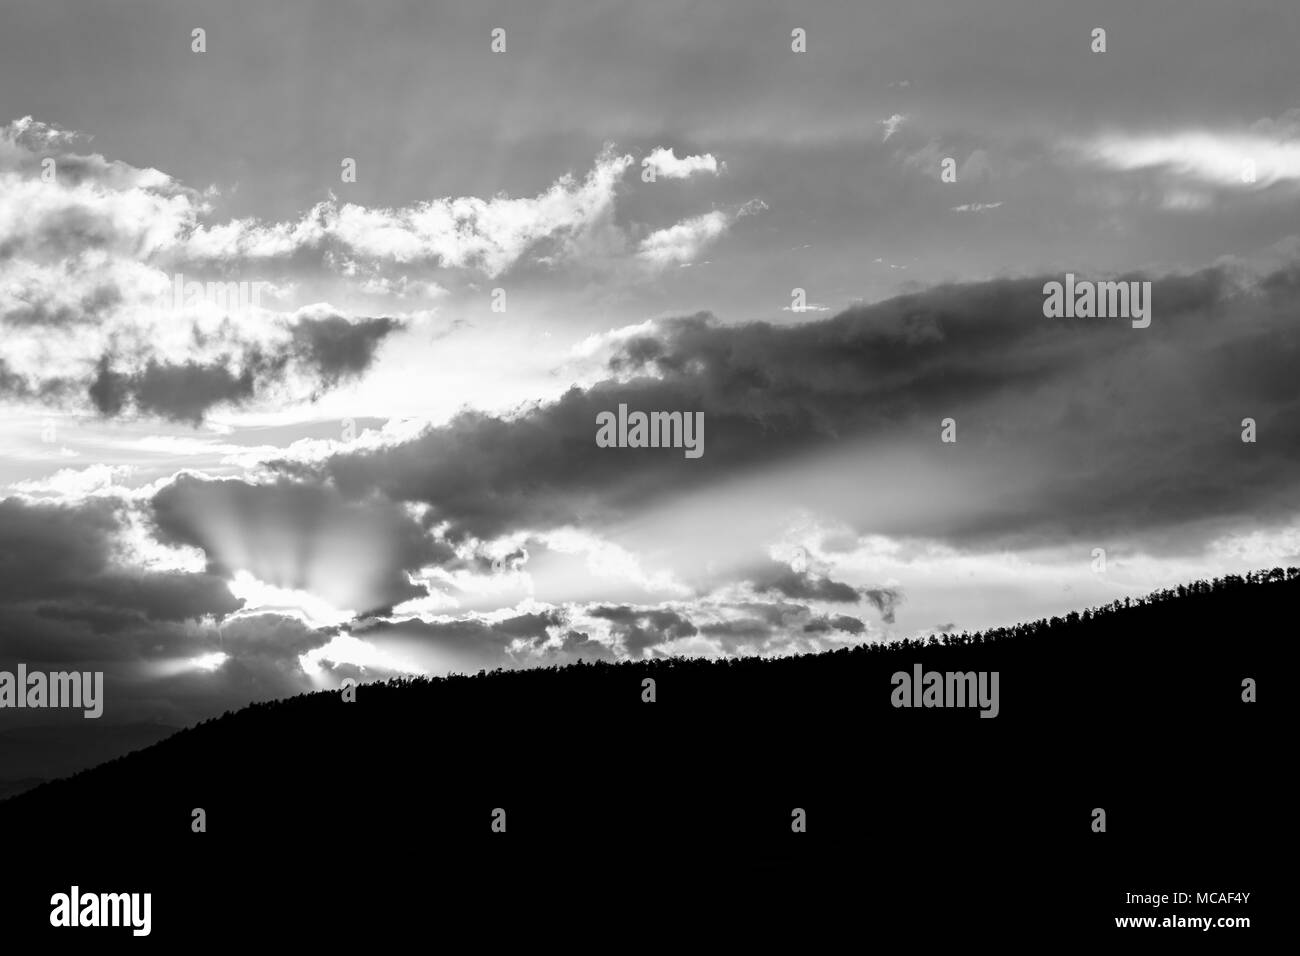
[31,755]
[1136,707]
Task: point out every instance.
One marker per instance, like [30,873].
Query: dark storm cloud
[261,664]
[528,625]
[775,628]
[69,601]
[803,585]
[265,649]
[336,349]
[528,640]
[840,622]
[885,600]
[768,393]
[324,351]
[782,579]
[354,553]
[65,596]
[638,629]
[177,392]
[465,645]
[579,646]
[1126,428]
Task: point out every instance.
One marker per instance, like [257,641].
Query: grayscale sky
[371,470]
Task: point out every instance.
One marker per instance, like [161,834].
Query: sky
[377,454]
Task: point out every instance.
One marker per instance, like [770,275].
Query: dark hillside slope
[1135,709]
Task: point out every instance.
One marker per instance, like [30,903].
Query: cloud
[639,629]
[86,297]
[73,484]
[885,600]
[175,645]
[803,585]
[665,164]
[72,589]
[353,554]
[93,205]
[608,632]
[319,352]
[841,622]
[776,629]
[486,235]
[1030,394]
[682,242]
[402,287]
[776,577]
[471,644]
[1265,154]
[67,595]
[334,348]
[91,257]
[892,125]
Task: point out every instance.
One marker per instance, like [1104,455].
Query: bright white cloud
[73,484]
[489,235]
[1221,159]
[346,649]
[260,597]
[892,125]
[666,164]
[684,241]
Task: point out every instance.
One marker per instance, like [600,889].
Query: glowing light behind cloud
[259,597]
[1213,158]
[207,663]
[210,662]
[346,649]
